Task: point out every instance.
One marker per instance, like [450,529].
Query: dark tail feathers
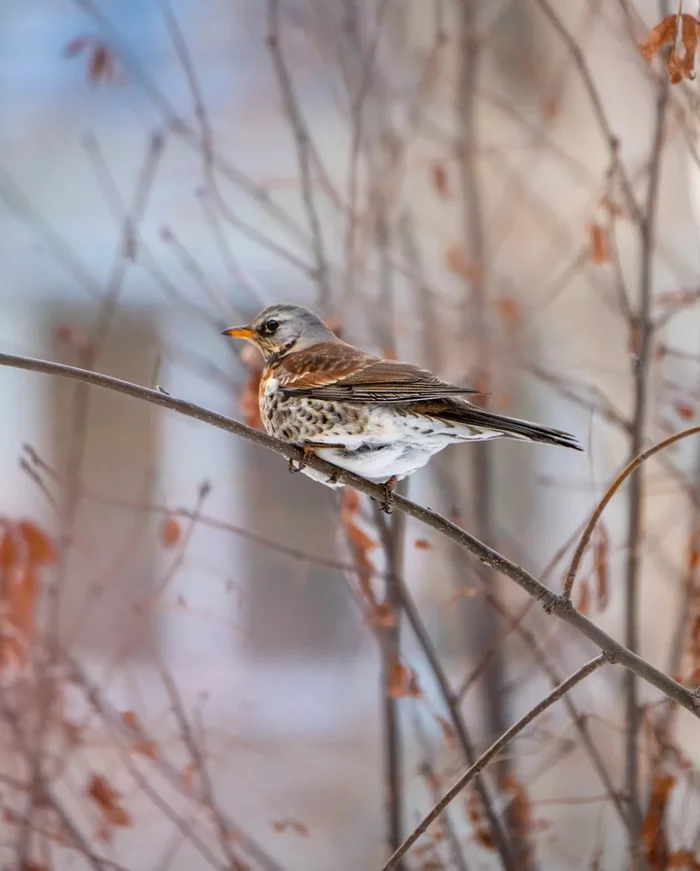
[514,428]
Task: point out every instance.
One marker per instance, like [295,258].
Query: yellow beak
[240,333]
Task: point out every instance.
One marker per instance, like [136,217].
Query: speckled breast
[302,419]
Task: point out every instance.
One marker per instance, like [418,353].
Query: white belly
[392,446]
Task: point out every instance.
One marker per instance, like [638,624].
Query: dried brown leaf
[601,551]
[40,549]
[520,811]
[678,67]
[170,531]
[108,800]
[18,597]
[654,835]
[288,823]
[360,543]
[10,548]
[383,616]
[665,33]
[403,682]
[599,244]
[457,261]
[102,66]
[683,860]
[583,603]
[685,411]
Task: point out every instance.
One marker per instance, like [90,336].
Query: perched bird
[378,418]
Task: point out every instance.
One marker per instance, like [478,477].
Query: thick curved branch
[560,606]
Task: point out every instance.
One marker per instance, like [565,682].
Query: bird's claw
[301,464]
[333,477]
[387,503]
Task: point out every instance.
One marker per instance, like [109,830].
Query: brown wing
[333,370]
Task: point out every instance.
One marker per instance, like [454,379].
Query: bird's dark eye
[271,326]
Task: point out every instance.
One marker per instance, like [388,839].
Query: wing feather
[336,371]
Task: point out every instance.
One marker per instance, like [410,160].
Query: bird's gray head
[279,329]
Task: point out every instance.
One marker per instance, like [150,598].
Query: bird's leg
[333,477]
[387,503]
[309,448]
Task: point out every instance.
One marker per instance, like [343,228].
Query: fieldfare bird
[378,418]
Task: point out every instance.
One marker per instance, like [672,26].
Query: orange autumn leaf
[403,682]
[694,647]
[360,543]
[103,65]
[583,603]
[292,824]
[665,33]
[108,799]
[520,811]
[678,67]
[170,531]
[10,549]
[683,860]
[653,830]
[599,244]
[475,812]
[685,411]
[382,616]
[694,550]
[601,550]
[40,549]
[458,262]
[18,601]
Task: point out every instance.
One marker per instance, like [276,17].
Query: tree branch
[553,603]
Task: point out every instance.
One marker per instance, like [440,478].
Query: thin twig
[303,149]
[642,338]
[392,537]
[481,763]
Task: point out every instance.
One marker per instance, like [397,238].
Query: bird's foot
[333,477]
[387,503]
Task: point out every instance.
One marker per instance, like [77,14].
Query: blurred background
[196,652]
